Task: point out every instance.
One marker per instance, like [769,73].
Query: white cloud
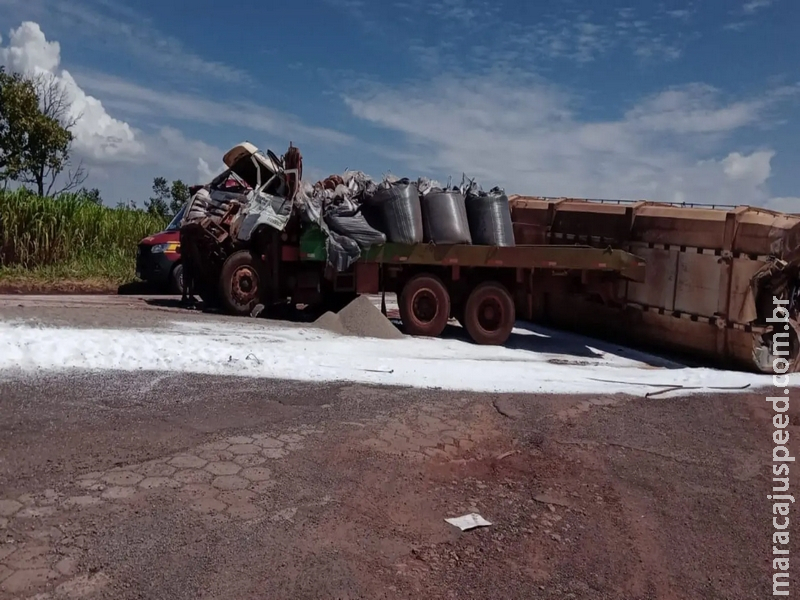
[204,172]
[110,24]
[98,136]
[121,159]
[137,99]
[784,204]
[755,5]
[681,13]
[29,51]
[737,26]
[527,137]
[694,109]
[754,169]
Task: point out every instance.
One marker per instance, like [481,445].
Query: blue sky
[661,100]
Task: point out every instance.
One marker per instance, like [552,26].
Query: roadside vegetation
[54,232]
[69,238]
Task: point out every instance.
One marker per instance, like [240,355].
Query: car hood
[162,238]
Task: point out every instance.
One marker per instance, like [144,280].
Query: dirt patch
[140,485]
[24,286]
[360,318]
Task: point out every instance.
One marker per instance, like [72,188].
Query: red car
[158,257]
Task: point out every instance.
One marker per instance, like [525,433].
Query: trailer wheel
[489,314]
[240,283]
[424,306]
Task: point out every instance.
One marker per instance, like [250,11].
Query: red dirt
[160,485]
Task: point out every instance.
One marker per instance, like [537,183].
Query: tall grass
[69,234]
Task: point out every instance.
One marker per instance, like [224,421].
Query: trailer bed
[550,257]
[581,258]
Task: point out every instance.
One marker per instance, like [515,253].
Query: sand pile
[331,322]
[359,318]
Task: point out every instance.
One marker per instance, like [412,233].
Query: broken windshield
[175,224]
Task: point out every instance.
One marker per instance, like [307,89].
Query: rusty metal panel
[700,260]
[762,232]
[290,253]
[529,234]
[539,257]
[368,277]
[695,227]
[608,221]
[647,328]
[742,273]
[532,213]
[759,231]
[697,288]
[658,288]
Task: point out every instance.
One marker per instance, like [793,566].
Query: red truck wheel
[240,283]
[424,306]
[489,314]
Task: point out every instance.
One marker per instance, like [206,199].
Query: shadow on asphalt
[575,348]
[544,340]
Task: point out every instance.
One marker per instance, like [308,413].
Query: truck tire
[489,314]
[176,280]
[424,306]
[240,283]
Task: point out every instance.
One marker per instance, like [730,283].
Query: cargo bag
[444,217]
[489,217]
[351,223]
[395,210]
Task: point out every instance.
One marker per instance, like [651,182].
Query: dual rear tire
[488,314]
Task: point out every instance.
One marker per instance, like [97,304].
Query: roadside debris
[505,455]
[470,521]
[551,500]
[360,318]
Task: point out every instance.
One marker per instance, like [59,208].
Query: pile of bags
[355,213]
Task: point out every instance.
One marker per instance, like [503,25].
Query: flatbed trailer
[486,288]
[281,259]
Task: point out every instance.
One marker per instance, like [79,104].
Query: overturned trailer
[714,277]
[255,235]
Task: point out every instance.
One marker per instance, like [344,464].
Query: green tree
[92,195]
[167,199]
[19,110]
[179,193]
[35,133]
[158,204]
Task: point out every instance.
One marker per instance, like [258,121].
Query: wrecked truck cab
[231,228]
[269,201]
[258,170]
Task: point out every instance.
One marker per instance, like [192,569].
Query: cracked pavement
[150,485]
[199,487]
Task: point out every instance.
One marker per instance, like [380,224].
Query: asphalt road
[149,485]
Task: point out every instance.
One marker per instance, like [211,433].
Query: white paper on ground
[470,521]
